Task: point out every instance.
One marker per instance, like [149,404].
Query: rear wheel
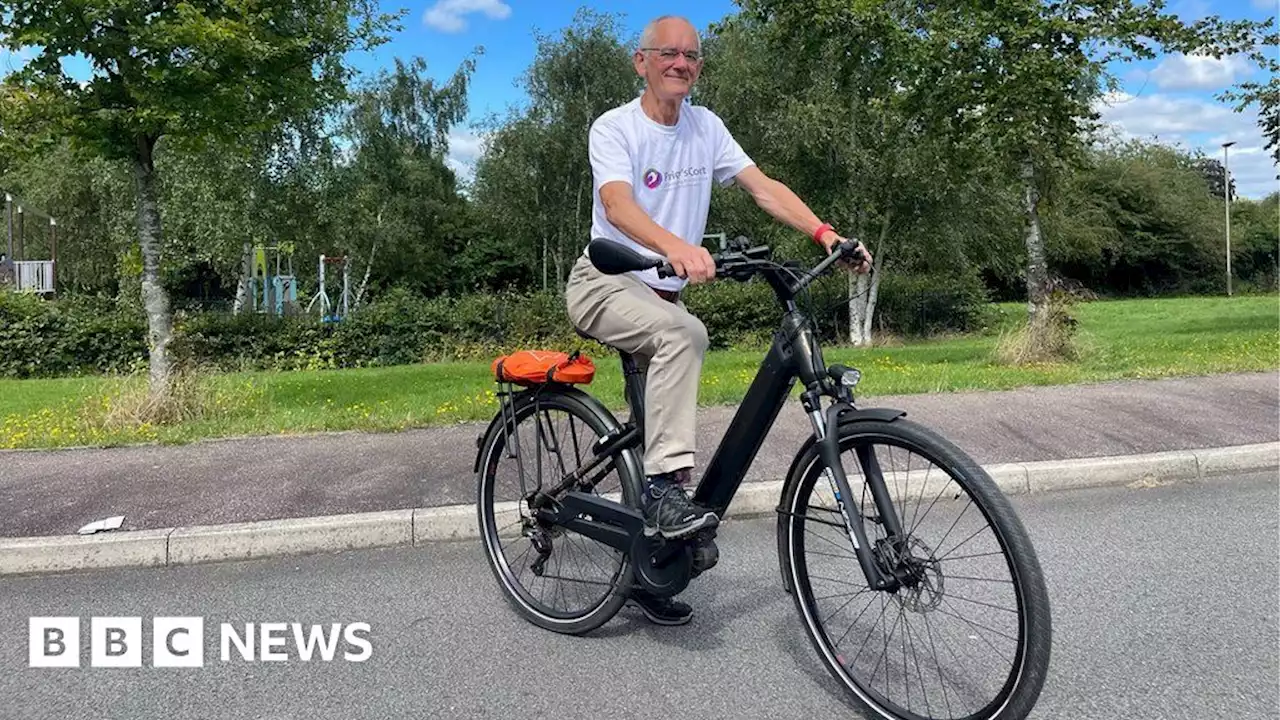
[557,579]
[967,635]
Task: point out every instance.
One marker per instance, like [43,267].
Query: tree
[1025,75]
[1215,175]
[545,200]
[1019,76]
[1265,95]
[395,201]
[187,71]
[1135,218]
[846,128]
[83,194]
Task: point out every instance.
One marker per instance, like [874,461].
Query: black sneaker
[661,611]
[669,511]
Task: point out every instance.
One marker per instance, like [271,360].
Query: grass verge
[1127,339]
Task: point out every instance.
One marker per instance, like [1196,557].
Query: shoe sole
[702,523]
[658,619]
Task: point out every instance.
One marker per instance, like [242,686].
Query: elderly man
[653,161]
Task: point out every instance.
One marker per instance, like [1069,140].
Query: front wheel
[967,634]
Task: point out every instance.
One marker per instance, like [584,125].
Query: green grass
[1118,339]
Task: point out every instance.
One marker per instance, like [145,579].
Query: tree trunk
[155,300]
[364,282]
[246,272]
[878,265]
[863,291]
[1037,266]
[857,310]
[559,262]
[368,269]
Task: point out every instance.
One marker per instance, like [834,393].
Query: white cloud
[449,15]
[1199,72]
[1178,117]
[1267,5]
[465,149]
[1196,124]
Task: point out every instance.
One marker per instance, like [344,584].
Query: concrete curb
[420,526]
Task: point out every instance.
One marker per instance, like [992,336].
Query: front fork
[826,429]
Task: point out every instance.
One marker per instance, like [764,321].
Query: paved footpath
[56,492]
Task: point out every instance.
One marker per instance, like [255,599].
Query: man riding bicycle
[653,161]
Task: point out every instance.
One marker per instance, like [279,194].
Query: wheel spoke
[966,577]
[978,602]
[962,542]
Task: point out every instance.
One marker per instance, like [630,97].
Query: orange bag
[534,367]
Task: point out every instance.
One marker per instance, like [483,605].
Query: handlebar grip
[665,270]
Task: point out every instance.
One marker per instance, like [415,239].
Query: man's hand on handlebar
[830,239]
[692,262]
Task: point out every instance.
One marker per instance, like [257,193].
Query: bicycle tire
[585,409]
[1024,683]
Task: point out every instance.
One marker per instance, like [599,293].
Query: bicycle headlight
[845,375]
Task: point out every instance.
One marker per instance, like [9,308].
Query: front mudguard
[847,416]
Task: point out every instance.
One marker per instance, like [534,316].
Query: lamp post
[1226,182]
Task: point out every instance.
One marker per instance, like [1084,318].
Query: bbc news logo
[117,642]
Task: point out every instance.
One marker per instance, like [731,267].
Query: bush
[69,336]
[735,313]
[1050,337]
[928,304]
[40,338]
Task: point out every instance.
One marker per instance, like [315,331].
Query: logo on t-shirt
[674,178]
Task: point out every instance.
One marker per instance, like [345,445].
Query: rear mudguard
[847,417]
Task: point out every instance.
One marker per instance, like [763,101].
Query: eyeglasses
[670,54]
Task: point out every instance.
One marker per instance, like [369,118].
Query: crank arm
[609,522]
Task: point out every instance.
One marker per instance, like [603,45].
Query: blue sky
[1170,98]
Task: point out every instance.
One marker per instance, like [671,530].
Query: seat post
[634,381]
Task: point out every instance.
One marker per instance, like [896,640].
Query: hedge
[78,335]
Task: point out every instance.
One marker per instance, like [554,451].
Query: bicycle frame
[794,355]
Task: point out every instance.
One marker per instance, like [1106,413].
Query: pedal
[705,552]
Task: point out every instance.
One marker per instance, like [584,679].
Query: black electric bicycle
[915,581]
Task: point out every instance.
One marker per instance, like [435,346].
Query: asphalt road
[1165,607]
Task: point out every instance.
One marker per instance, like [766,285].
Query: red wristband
[817,234]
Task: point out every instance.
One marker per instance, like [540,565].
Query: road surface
[1165,607]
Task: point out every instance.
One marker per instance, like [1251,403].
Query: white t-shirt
[669,168]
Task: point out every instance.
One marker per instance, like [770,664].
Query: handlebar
[750,260]
[740,262]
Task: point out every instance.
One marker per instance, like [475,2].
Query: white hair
[650,30]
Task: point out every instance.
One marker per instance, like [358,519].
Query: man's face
[664,65]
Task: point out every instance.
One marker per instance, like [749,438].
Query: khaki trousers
[668,344]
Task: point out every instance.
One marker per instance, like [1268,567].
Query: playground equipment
[327,311]
[275,290]
[33,276]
